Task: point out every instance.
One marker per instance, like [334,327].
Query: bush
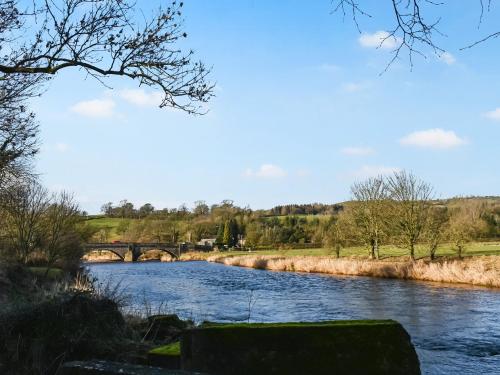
[38,337]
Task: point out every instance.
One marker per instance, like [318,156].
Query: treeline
[397,210]
[126,209]
[305,209]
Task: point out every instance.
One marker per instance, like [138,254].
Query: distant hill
[329,209]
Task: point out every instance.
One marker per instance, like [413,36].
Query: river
[455,329]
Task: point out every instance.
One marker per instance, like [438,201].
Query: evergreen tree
[220,235]
[227,240]
[233,229]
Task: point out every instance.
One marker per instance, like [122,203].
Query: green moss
[173,349]
[334,323]
[329,347]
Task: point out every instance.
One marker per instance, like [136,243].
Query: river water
[456,330]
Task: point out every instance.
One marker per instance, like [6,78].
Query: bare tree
[335,234]
[439,217]
[18,128]
[60,239]
[103,38]
[413,30]
[410,199]
[466,223]
[18,142]
[201,208]
[369,211]
[23,206]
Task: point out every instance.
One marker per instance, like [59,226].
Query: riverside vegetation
[392,228]
[397,212]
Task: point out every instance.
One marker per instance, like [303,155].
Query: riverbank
[478,270]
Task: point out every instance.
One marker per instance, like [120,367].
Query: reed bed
[478,270]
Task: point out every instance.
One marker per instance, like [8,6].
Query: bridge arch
[119,255]
[171,252]
[116,253]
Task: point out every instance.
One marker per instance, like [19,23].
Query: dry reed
[478,270]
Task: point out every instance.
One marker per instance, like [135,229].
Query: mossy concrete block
[336,347]
[168,356]
[115,368]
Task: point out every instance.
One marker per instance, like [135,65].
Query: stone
[336,347]
[163,327]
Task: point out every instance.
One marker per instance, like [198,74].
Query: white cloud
[493,115]
[357,151]
[141,98]
[95,108]
[447,58]
[266,171]
[433,138]
[62,147]
[379,39]
[375,170]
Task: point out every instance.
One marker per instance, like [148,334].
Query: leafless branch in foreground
[104,38]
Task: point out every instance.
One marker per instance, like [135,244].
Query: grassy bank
[480,267]
[481,270]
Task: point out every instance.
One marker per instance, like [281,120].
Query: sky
[301,112]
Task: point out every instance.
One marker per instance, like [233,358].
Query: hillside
[294,223]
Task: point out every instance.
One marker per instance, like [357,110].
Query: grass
[353,323]
[108,223]
[173,349]
[446,250]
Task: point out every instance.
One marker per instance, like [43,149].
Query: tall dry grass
[479,270]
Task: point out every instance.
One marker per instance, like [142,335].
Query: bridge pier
[133,253]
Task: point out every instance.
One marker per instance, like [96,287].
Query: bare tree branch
[105,38]
[412,30]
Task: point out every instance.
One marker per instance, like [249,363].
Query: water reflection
[455,329]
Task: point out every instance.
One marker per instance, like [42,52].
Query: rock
[112,368]
[336,347]
[163,327]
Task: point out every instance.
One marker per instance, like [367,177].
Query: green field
[109,224]
[474,248]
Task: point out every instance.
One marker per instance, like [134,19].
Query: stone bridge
[130,252]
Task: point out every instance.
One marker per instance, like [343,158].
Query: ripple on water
[455,329]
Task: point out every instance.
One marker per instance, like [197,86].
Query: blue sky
[301,111]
